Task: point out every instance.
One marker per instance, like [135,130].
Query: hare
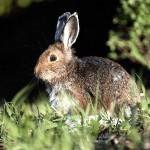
[82,80]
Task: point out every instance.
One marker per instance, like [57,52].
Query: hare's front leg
[60,100]
[53,99]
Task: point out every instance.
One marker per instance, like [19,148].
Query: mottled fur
[85,79]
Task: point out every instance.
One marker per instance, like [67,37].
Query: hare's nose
[37,71]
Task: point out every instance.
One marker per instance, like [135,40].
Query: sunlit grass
[25,125]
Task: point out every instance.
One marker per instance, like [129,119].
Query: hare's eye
[52,58]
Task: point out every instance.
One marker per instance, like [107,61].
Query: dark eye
[52,58]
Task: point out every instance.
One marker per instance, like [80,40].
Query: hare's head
[54,61]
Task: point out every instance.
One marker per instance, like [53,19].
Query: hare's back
[113,80]
[103,67]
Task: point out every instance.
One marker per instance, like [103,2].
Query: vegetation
[6,6]
[29,126]
[35,126]
[131,38]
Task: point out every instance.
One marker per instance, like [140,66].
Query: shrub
[131,37]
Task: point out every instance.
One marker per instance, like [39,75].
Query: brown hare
[82,80]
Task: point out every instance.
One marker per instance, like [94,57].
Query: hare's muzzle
[37,71]
[42,72]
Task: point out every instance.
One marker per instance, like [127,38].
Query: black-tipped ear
[60,25]
[71,30]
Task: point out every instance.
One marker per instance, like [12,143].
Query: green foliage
[23,3]
[7,5]
[131,39]
[36,126]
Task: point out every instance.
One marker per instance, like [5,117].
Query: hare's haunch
[82,80]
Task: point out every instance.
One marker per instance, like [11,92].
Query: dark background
[25,33]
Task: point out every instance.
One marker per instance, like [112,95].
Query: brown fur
[84,77]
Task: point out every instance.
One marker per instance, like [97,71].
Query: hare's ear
[60,25]
[70,31]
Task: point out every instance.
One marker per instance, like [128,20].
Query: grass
[35,126]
